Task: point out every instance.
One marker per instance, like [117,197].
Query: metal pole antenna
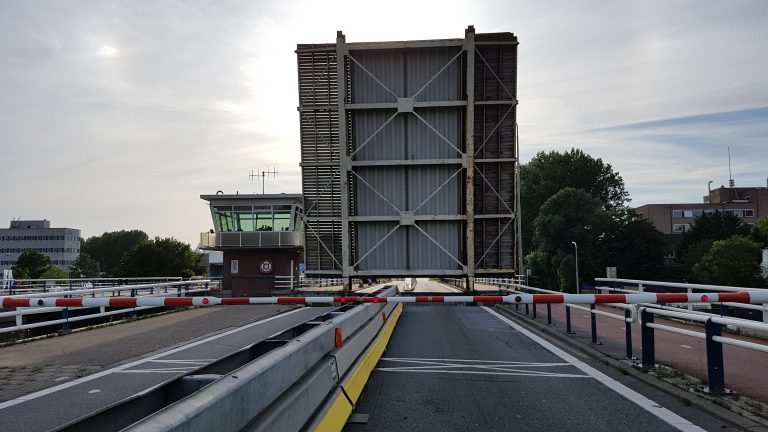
[264,175]
[577,266]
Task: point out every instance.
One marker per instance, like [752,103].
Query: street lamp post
[577,266]
[709,189]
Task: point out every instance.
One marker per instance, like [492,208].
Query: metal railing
[713,324]
[179,289]
[712,335]
[22,286]
[643,285]
[260,239]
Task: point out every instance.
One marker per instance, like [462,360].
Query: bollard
[549,313]
[526,308]
[593,322]
[628,333]
[568,320]
[715,372]
[649,350]
[65,326]
[534,310]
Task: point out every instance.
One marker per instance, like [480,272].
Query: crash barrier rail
[26,286]
[712,335]
[177,289]
[639,286]
[291,384]
[629,316]
[305,282]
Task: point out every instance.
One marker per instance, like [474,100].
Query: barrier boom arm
[131,302]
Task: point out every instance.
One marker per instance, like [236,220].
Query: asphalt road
[66,399]
[460,368]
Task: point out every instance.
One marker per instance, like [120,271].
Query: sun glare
[108,51]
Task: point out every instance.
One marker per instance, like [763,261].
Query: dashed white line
[62,378]
[687,346]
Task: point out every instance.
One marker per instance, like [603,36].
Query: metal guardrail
[20,286]
[643,285]
[292,381]
[177,289]
[712,335]
[712,323]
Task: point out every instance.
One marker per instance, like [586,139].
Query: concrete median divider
[289,386]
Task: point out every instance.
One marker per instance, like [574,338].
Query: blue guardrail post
[649,350]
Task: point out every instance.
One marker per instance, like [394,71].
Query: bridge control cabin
[262,239]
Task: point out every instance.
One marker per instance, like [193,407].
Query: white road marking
[490,367]
[196,362]
[94,391]
[687,346]
[62,378]
[84,379]
[168,370]
[642,401]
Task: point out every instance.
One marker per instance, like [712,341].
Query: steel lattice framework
[409,156]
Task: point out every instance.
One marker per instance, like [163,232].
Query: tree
[54,272]
[547,173]
[162,257]
[85,266]
[31,265]
[636,248]
[760,232]
[732,262]
[713,227]
[571,215]
[111,247]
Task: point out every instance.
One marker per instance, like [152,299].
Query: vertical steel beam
[469,156]
[345,161]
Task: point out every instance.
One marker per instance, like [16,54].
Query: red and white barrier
[131,302]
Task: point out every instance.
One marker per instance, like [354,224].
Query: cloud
[195,94]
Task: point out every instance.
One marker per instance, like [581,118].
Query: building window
[680,228]
[677,214]
[749,213]
[234,266]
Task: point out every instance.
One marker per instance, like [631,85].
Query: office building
[62,245]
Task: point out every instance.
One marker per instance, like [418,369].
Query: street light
[577,266]
[709,188]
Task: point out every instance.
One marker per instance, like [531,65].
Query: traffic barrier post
[593,322]
[715,373]
[568,320]
[649,350]
[628,333]
[549,314]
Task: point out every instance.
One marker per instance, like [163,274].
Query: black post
[549,313]
[534,310]
[715,373]
[526,308]
[628,332]
[65,326]
[649,350]
[593,321]
[568,320]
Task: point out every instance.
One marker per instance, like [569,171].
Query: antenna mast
[264,175]
[731,182]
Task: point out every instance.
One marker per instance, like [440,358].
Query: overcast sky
[119,114]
